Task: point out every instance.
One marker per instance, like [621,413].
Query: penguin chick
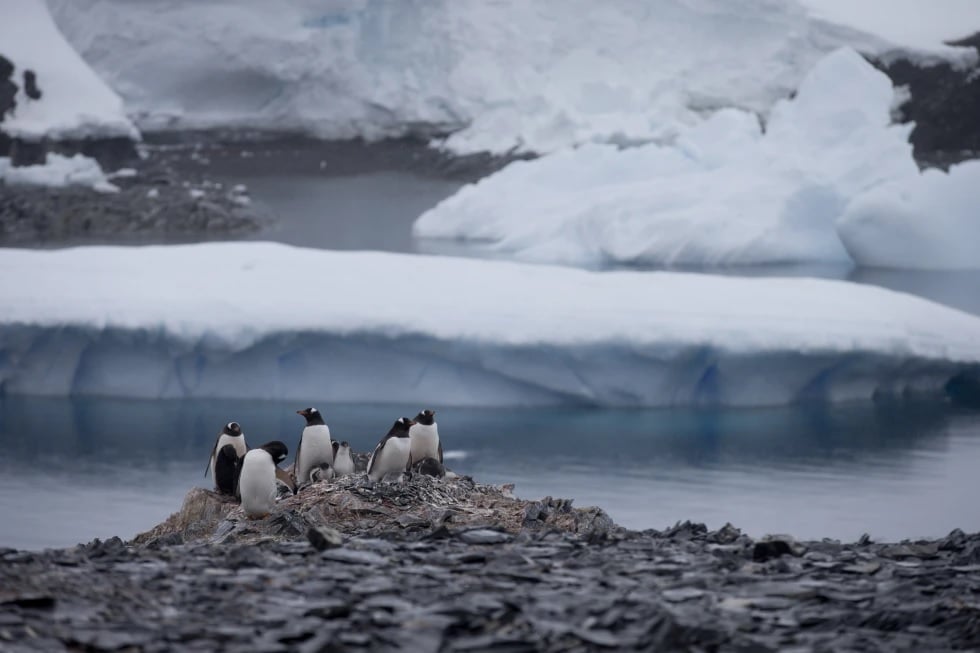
[314,447]
[322,472]
[394,453]
[257,481]
[343,460]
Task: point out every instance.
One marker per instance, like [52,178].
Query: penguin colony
[254,475]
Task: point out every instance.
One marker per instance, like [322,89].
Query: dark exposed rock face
[944,104]
[489,589]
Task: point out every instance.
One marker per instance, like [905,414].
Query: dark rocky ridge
[482,582]
[944,103]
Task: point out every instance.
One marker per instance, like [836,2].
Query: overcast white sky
[917,23]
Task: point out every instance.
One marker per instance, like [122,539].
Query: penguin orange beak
[303,412]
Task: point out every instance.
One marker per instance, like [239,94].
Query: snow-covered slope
[74,102]
[725,193]
[535,76]
[272,321]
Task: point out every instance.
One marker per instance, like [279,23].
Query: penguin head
[312,415]
[233,429]
[277,450]
[345,445]
[427,417]
[401,426]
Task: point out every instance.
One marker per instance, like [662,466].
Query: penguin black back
[227,468]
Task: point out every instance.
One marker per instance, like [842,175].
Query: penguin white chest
[315,448]
[425,442]
[392,457]
[257,483]
[236,441]
[343,464]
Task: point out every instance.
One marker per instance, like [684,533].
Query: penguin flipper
[440,451]
[299,448]
[377,451]
[408,467]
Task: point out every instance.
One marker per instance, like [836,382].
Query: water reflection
[74,469]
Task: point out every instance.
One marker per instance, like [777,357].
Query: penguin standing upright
[230,434]
[394,453]
[227,467]
[257,481]
[314,447]
[343,461]
[424,436]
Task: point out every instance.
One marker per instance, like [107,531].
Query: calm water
[77,469]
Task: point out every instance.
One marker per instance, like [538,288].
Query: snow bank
[723,194]
[931,221]
[510,74]
[74,102]
[58,171]
[265,320]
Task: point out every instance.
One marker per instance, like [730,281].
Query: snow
[58,171]
[931,221]
[504,75]
[724,193]
[267,321]
[74,102]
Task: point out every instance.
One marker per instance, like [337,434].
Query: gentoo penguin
[227,467]
[424,435]
[394,453]
[230,434]
[343,461]
[322,472]
[257,481]
[314,446]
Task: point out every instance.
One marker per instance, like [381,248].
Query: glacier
[503,76]
[270,321]
[809,187]
[75,103]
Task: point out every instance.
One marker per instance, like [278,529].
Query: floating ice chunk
[58,171]
[122,321]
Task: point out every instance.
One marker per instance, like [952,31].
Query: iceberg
[270,321]
[74,102]
[930,221]
[495,76]
[725,193]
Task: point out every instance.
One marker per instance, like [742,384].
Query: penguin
[314,446]
[257,481]
[322,472]
[343,461]
[227,467]
[429,467]
[230,434]
[394,453]
[424,435]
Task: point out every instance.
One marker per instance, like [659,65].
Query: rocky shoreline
[452,565]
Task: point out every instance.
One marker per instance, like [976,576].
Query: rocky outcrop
[944,102]
[422,506]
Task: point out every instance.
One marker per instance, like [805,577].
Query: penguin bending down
[394,453]
[230,434]
[227,467]
[314,447]
[322,472]
[343,461]
[424,435]
[257,481]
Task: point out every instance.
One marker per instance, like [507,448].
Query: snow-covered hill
[502,75]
